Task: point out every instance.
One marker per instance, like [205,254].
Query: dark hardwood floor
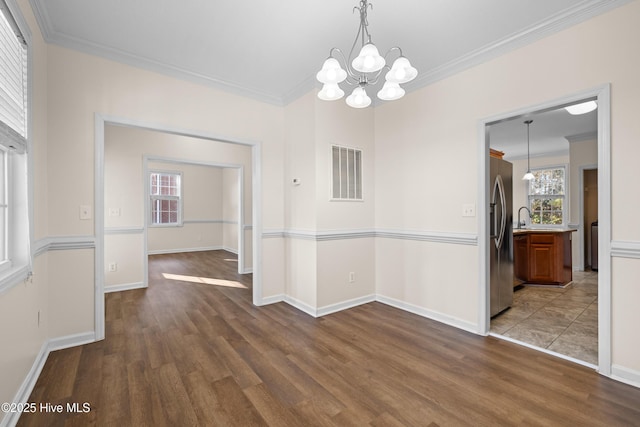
[185,354]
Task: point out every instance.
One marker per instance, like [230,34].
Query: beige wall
[425,167]
[427,160]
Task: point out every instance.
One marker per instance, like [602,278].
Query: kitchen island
[542,256]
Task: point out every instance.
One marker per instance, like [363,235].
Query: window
[166,198]
[346,173]
[15,255]
[547,196]
[4,207]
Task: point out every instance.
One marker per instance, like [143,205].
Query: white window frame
[152,198]
[5,194]
[352,190]
[15,142]
[531,197]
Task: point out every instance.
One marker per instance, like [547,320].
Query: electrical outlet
[469,209]
[114,211]
[113,267]
[352,277]
[85,212]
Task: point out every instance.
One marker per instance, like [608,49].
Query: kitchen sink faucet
[519,210]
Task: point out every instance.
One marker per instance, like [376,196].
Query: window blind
[13,84]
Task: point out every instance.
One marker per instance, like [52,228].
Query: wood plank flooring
[186,354]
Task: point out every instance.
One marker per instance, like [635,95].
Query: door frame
[603,95]
[99,181]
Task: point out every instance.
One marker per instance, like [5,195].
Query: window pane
[3,231]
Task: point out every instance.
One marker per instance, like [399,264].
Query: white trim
[625,375]
[123,230]
[424,236]
[566,18]
[181,250]
[60,243]
[581,12]
[544,350]
[344,305]
[209,221]
[124,287]
[624,249]
[274,299]
[228,249]
[24,392]
[429,314]
[603,95]
[302,306]
[69,341]
[430,236]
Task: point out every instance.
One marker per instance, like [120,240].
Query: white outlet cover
[85,212]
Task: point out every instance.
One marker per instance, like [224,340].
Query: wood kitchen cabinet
[543,257]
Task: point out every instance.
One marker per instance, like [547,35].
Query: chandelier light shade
[330,92]
[528,176]
[358,98]
[364,70]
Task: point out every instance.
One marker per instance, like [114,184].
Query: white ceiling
[550,133]
[271,50]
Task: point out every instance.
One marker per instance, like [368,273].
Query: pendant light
[364,70]
[528,176]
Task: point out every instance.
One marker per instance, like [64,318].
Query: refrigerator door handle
[498,191]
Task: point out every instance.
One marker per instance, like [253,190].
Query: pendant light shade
[331,72]
[369,60]
[391,91]
[528,176]
[358,98]
[401,71]
[330,92]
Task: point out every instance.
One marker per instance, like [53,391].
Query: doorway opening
[248,233]
[547,316]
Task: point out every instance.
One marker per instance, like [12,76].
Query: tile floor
[563,320]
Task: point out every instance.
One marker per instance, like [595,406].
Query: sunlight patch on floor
[205,280]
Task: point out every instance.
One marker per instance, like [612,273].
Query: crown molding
[556,23]
[582,137]
[560,21]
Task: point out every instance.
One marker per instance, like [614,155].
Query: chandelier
[364,70]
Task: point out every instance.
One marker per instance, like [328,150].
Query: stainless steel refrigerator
[501,235]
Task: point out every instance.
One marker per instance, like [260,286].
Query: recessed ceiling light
[582,108]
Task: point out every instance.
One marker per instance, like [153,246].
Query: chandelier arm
[374,80]
[392,49]
[347,66]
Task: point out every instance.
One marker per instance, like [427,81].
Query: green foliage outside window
[546,196]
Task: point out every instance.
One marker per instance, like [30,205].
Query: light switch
[85,212]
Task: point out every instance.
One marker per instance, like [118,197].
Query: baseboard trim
[625,375]
[302,306]
[124,287]
[273,299]
[22,396]
[71,341]
[429,314]
[344,305]
[177,251]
